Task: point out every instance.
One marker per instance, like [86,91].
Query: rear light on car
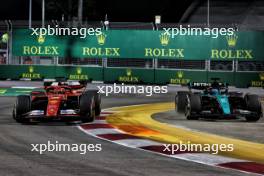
[51,112]
[52,102]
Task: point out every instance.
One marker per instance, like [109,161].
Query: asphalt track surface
[16,157]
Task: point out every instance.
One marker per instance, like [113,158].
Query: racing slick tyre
[97,99]
[181,101]
[253,104]
[87,107]
[21,107]
[193,106]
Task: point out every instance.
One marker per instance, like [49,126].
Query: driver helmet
[214,91]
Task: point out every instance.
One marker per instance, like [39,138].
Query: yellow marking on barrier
[136,120]
[2,91]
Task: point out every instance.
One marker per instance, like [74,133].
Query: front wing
[233,115]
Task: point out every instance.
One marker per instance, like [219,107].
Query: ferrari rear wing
[64,81]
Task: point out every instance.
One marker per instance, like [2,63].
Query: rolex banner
[141,44]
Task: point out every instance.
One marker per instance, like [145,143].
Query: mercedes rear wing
[203,85]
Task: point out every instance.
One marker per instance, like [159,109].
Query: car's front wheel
[181,100]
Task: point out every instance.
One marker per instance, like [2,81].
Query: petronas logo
[180,74]
[31,69]
[164,39]
[79,70]
[232,40]
[101,39]
[128,72]
[41,39]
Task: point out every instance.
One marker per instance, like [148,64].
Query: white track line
[101,131]
[136,143]
[205,158]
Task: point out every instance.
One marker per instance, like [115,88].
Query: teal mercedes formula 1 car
[216,102]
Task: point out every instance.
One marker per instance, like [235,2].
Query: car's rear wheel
[97,99]
[21,107]
[254,105]
[87,107]
[181,101]
[193,107]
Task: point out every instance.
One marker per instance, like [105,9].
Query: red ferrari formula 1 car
[58,100]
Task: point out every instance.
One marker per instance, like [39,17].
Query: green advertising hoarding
[141,44]
[39,72]
[25,44]
[129,75]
